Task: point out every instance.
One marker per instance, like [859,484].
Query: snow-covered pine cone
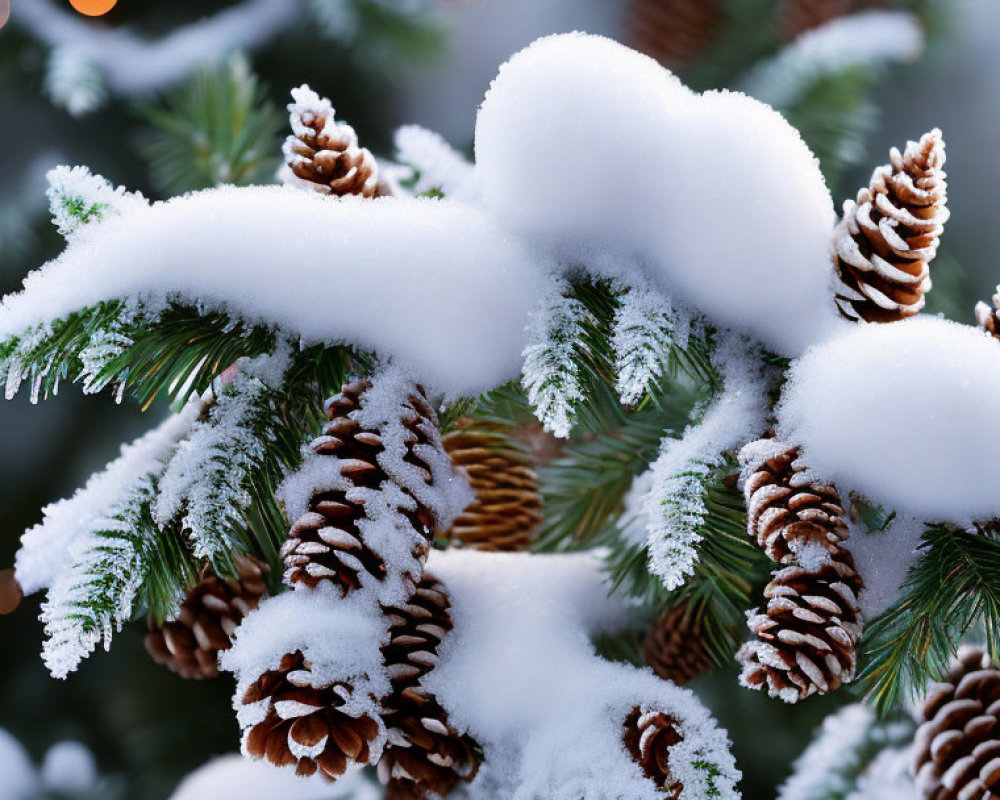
[674,646]
[649,735]
[326,543]
[956,754]
[805,639]
[672,31]
[323,155]
[887,238]
[788,509]
[304,724]
[190,645]
[795,17]
[507,511]
[425,757]
[989,315]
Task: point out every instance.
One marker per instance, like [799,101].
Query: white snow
[675,506]
[907,414]
[591,149]
[131,64]
[236,776]
[866,39]
[888,776]
[439,165]
[339,637]
[49,548]
[431,282]
[20,781]
[69,768]
[883,559]
[518,673]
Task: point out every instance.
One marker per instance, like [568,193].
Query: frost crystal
[206,480]
[77,198]
[551,375]
[646,327]
[437,164]
[675,505]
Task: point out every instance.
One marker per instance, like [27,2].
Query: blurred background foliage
[385,63]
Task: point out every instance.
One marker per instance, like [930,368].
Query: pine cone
[507,511]
[807,635]
[649,735]
[190,645]
[675,647]
[989,316]
[304,724]
[327,543]
[323,155]
[672,31]
[11,593]
[888,237]
[956,754]
[795,17]
[788,510]
[425,756]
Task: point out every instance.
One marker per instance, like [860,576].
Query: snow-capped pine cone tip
[788,509]
[888,236]
[805,639]
[649,734]
[956,752]
[326,543]
[304,725]
[324,155]
[988,315]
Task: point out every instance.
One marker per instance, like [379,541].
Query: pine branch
[955,583]
[218,128]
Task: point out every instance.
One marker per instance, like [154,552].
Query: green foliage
[954,585]
[218,128]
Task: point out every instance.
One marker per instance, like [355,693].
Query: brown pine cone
[11,593]
[323,155]
[795,17]
[887,238]
[675,647]
[649,735]
[787,508]
[425,756]
[327,543]
[806,637]
[956,754]
[989,316]
[190,645]
[672,31]
[304,725]
[507,511]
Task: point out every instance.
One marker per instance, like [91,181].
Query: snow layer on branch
[592,149]
[236,776]
[69,769]
[131,64]
[907,414]
[866,39]
[518,672]
[49,548]
[431,282]
[675,505]
[883,559]
[888,776]
[339,637]
[439,165]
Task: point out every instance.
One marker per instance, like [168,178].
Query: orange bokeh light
[93,8]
